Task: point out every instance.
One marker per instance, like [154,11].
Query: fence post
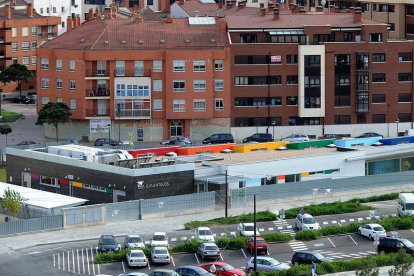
[139,210]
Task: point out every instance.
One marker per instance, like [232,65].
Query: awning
[287,32]
[220,179]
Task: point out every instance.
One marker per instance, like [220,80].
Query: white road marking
[58,259]
[63,260]
[352,239]
[233,233]
[149,267]
[261,229]
[192,237]
[87,260]
[359,219]
[183,238]
[195,255]
[123,266]
[351,219]
[172,259]
[393,215]
[54,263]
[270,228]
[68,261]
[325,222]
[331,242]
[268,252]
[93,265]
[355,255]
[369,218]
[77,257]
[214,235]
[223,234]
[73,262]
[83,262]
[244,254]
[334,222]
[221,257]
[173,239]
[289,226]
[279,227]
[346,256]
[363,253]
[377,217]
[99,269]
[342,220]
[339,224]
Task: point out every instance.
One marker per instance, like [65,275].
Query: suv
[307,257]
[261,245]
[108,243]
[394,244]
[105,141]
[220,138]
[306,222]
[259,137]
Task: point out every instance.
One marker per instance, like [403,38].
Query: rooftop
[194,8]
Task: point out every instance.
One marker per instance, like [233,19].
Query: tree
[17,73]
[402,265]
[54,114]
[11,201]
[4,130]
[369,268]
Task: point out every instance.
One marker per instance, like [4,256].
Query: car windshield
[248,228]
[259,241]
[309,220]
[274,262]
[134,240]
[205,232]
[161,251]
[407,243]
[211,247]
[319,256]
[409,206]
[108,241]
[159,238]
[227,267]
[378,228]
[137,254]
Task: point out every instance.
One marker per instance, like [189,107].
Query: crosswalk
[340,255]
[78,261]
[298,245]
[284,227]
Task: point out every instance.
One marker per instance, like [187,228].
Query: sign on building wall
[276,59]
[99,125]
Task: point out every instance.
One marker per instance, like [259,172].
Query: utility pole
[226,197]
[255,235]
[268,92]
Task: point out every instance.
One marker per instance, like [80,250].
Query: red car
[222,269]
[260,244]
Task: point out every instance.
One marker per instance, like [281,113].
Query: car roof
[136,251]
[374,224]
[209,243]
[203,228]
[133,235]
[258,238]
[107,236]
[160,233]
[247,223]
[192,267]
[159,247]
[215,263]
[163,270]
[306,215]
[308,251]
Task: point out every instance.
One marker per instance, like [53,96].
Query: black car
[192,270]
[331,136]
[369,134]
[105,141]
[219,138]
[177,141]
[394,244]
[307,257]
[108,243]
[259,137]
[26,143]
[23,99]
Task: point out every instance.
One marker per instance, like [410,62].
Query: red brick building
[22,30]
[140,80]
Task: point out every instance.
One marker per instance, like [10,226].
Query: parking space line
[123,266]
[325,222]
[54,257]
[77,257]
[183,238]
[149,266]
[233,233]
[268,252]
[221,257]
[172,259]
[68,261]
[195,255]
[73,262]
[352,239]
[87,259]
[351,219]
[369,218]
[243,253]
[222,234]
[58,259]
[270,228]
[331,242]
[261,229]
[63,260]
[99,269]
[173,239]
[334,222]
[83,262]
[192,237]
[412,230]
[93,265]
[339,224]
[342,220]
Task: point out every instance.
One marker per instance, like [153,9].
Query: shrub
[187,246]
[111,257]
[307,235]
[277,237]
[390,196]
[232,243]
[329,208]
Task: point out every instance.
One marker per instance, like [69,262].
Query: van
[409,132]
[405,205]
[219,138]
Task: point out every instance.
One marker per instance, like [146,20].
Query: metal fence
[31,225]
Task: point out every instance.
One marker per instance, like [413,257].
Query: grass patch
[9,116]
[3,177]
[110,257]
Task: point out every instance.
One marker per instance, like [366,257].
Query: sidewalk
[383,271]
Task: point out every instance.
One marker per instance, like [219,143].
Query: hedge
[119,256]
[277,237]
[187,246]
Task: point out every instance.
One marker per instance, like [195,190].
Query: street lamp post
[109,132]
[273,125]
[388,120]
[397,121]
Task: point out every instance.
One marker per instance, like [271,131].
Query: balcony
[96,74]
[120,72]
[51,35]
[137,113]
[97,113]
[97,93]
[1,39]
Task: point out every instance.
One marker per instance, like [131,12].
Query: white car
[159,239]
[247,229]
[204,234]
[306,222]
[133,241]
[372,230]
[136,257]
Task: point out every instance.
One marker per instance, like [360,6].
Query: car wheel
[295,263]
[370,237]
[250,271]
[359,232]
[265,252]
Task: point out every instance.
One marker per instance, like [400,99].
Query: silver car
[208,250]
[296,138]
[264,263]
[133,241]
[160,255]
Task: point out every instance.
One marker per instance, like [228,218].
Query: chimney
[77,20]
[13,2]
[97,13]
[69,23]
[229,5]
[357,15]
[223,25]
[220,4]
[29,9]
[7,11]
[263,12]
[336,9]
[275,14]
[319,9]
[90,14]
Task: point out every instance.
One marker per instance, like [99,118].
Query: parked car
[294,138]
[135,274]
[261,245]
[160,255]
[177,141]
[259,137]
[105,141]
[369,134]
[394,244]
[307,257]
[159,239]
[204,234]
[107,243]
[247,229]
[32,95]
[331,136]
[23,99]
[208,250]
[265,264]
[371,230]
[133,241]
[222,269]
[26,143]
[136,258]
[306,222]
[164,272]
[220,138]
[192,270]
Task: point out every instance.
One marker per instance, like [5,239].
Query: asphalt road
[77,257]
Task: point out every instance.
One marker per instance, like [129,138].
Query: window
[157,66]
[44,100]
[34,58]
[26,46]
[179,105]
[375,37]
[179,65]
[44,82]
[139,68]
[63,24]
[157,105]
[378,57]
[41,10]
[291,100]
[312,81]
[72,104]
[378,118]
[378,98]
[404,77]
[34,31]
[44,63]
[378,77]
[120,68]
[404,117]
[49,181]
[199,105]
[54,10]
[179,86]
[386,8]
[405,57]
[157,85]
[14,47]
[312,61]
[404,98]
[59,100]
[219,105]
[342,119]
[248,38]
[59,65]
[25,31]
[292,59]
[257,80]
[199,86]
[391,27]
[15,60]
[62,9]
[199,65]
[34,45]
[347,36]
[218,65]
[59,83]
[14,32]
[72,65]
[292,79]
[218,85]
[72,84]
[26,60]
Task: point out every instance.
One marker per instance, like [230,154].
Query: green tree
[370,268]
[11,201]
[4,130]
[402,266]
[54,114]
[17,73]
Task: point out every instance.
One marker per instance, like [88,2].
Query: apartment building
[22,30]
[293,68]
[155,5]
[122,81]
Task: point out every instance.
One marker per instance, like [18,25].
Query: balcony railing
[98,92]
[96,73]
[134,113]
[97,112]
[119,72]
